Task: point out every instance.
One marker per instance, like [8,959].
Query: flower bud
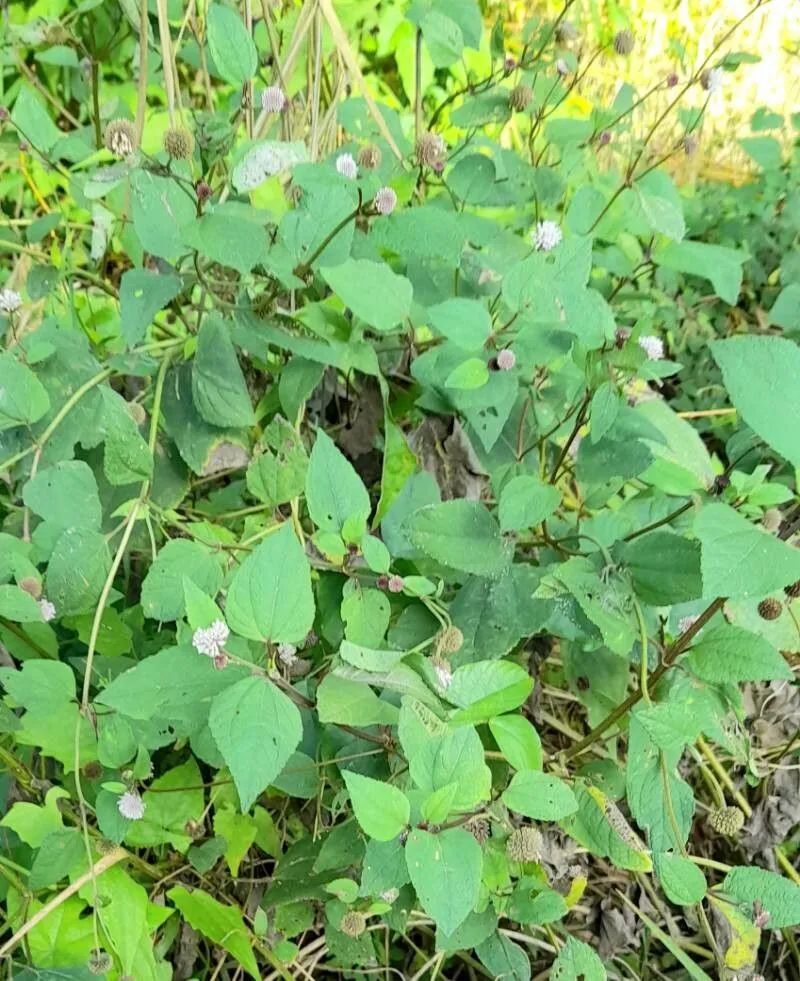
[727,821]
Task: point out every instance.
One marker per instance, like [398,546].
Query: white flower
[546,236]
[652,346]
[686,622]
[346,166]
[131,806]
[385,200]
[506,359]
[48,610]
[287,654]
[713,80]
[562,67]
[10,301]
[389,895]
[273,99]
[211,640]
[443,672]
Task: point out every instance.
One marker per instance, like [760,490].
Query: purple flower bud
[672,80]
[605,138]
[509,64]
[396,584]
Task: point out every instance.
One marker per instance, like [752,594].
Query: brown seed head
[624,42]
[178,142]
[369,157]
[770,608]
[430,149]
[524,845]
[793,590]
[353,924]
[450,640]
[519,98]
[120,137]
[479,829]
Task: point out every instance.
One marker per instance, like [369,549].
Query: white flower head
[47,609]
[385,201]
[443,672]
[713,80]
[652,346]
[562,67]
[273,99]
[506,359]
[131,806]
[686,622]
[287,654]
[10,301]
[546,236]
[211,640]
[346,166]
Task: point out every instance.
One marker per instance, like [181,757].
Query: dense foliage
[397,569]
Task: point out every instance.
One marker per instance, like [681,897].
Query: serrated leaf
[461,534]
[777,895]
[373,291]
[162,589]
[23,398]
[725,653]
[218,385]
[222,925]
[445,871]
[334,491]
[382,811]
[539,796]
[142,293]
[231,46]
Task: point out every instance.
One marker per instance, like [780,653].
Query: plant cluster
[380,588]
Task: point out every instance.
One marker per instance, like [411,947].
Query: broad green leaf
[256,728]
[39,684]
[162,589]
[577,961]
[170,802]
[239,832]
[128,918]
[518,740]
[725,653]
[77,570]
[465,322]
[660,204]
[399,464]
[470,374]
[334,491]
[777,895]
[471,933]
[17,605]
[231,46]
[759,373]
[34,121]
[222,924]
[503,958]
[34,823]
[54,491]
[375,294]
[352,703]
[160,208]
[445,871]
[539,796]
[218,385]
[739,559]
[785,311]
[525,502]
[64,939]
[599,826]
[230,239]
[384,867]
[721,266]
[61,852]
[603,411]
[369,659]
[381,810]
[127,457]
[682,881]
[23,398]
[270,597]
[443,38]
[682,462]
[664,567]
[278,474]
[486,689]
[461,534]
[142,293]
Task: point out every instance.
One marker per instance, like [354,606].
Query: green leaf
[334,491]
[256,728]
[17,605]
[577,961]
[218,385]
[167,682]
[61,852]
[223,925]
[23,398]
[52,494]
[464,322]
[77,570]
[777,896]
[461,534]
[487,688]
[160,208]
[664,567]
[33,823]
[239,832]
[351,703]
[270,597]
[42,685]
[470,374]
[228,239]
[721,266]
[142,293]
[375,294]
[33,120]
[605,406]
[765,150]
[525,502]
[445,871]
[381,810]
[443,39]
[759,373]
[162,589]
[539,796]
[170,802]
[785,310]
[726,653]
[682,881]
[518,740]
[384,867]
[127,457]
[738,559]
[128,918]
[231,46]
[278,474]
[369,659]
[660,204]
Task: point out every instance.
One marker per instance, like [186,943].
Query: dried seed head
[273,99]
[566,31]
[652,346]
[624,42]
[130,805]
[506,359]
[93,770]
[429,150]
[479,829]
[287,654]
[524,845]
[10,301]
[546,236]
[605,138]
[770,608]
[31,586]
[178,142]
[772,519]
[793,590]
[519,98]
[712,80]
[509,64]
[382,582]
[727,821]
[450,640]
[353,924]
[690,144]
[99,962]
[120,138]
[621,337]
[672,80]
[346,166]
[369,157]
[385,201]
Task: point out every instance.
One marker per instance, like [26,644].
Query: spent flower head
[287,654]
[624,42]
[369,157]
[546,236]
[429,149]
[712,80]
[178,142]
